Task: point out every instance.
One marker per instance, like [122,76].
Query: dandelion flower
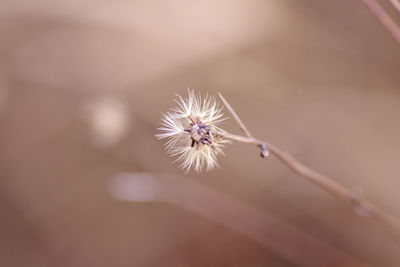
[192,132]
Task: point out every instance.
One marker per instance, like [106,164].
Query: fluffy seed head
[192,132]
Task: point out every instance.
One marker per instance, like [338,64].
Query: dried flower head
[192,132]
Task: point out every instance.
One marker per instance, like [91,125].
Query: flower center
[201,133]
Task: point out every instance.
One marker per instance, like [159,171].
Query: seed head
[192,132]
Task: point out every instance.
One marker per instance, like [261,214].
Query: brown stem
[384,18]
[235,116]
[385,219]
[336,189]
[395,4]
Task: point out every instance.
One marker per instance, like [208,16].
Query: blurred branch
[384,18]
[271,232]
[339,191]
[396,4]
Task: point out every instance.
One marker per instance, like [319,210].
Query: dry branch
[388,221]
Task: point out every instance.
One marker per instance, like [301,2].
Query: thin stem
[337,190]
[361,204]
[264,148]
[384,18]
[396,4]
[235,116]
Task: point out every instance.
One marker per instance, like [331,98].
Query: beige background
[82,86]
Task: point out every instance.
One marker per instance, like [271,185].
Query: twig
[332,187]
[263,146]
[235,116]
[396,4]
[384,18]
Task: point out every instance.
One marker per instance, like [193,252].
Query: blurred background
[85,183]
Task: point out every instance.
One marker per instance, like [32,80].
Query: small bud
[264,152]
